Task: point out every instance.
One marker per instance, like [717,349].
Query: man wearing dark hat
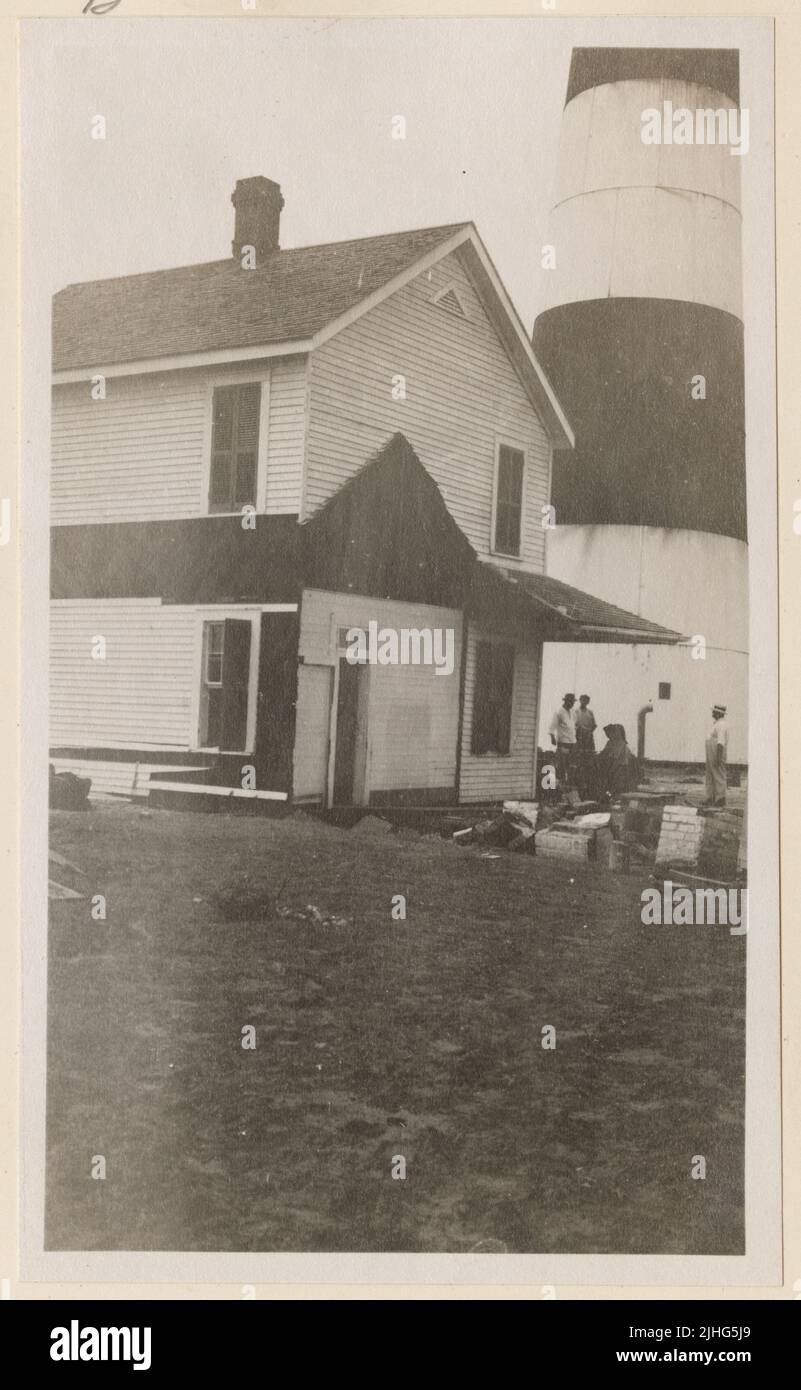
[585,745]
[717,746]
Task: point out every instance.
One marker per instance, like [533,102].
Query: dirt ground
[377,1038]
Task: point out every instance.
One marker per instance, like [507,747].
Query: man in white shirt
[563,738]
[717,746]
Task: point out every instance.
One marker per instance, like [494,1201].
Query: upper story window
[508,502]
[234,446]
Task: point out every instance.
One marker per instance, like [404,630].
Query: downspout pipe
[646,709]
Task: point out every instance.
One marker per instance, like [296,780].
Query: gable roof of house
[388,530]
[218,305]
[294,301]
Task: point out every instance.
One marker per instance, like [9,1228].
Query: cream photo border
[761,1273]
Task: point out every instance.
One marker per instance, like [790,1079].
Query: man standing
[563,738]
[716,750]
[585,744]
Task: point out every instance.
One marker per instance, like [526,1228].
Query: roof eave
[519,346]
[63,376]
[488,284]
[622,636]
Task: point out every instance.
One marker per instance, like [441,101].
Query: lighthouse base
[693,582]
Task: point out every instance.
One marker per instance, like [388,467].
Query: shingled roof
[581,616]
[218,306]
[414,542]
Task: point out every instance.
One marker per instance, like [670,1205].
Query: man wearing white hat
[717,746]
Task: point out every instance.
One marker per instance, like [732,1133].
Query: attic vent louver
[448,299]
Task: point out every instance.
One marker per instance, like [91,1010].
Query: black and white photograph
[402,719]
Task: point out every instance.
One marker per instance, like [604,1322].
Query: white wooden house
[252,457]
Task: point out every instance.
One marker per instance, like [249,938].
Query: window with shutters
[234,446]
[508,501]
[225,684]
[492,697]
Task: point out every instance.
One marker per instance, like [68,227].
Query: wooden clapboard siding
[142,694]
[139,455]
[134,456]
[413,713]
[286,438]
[490,776]
[462,396]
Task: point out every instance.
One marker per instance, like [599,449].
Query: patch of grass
[243,900]
[377,1037]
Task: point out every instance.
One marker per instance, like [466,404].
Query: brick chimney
[257,205]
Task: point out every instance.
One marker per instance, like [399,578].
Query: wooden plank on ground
[201,789]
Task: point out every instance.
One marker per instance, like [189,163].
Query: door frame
[211,612]
[331,673]
[363,797]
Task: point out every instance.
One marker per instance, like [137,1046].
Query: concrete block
[562,844]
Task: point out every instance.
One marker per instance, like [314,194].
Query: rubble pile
[567,829]
[513,827]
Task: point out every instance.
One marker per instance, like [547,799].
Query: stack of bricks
[710,842]
[680,837]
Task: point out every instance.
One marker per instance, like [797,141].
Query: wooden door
[350,751]
[312,731]
[235,683]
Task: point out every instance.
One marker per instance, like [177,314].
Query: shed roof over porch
[562,613]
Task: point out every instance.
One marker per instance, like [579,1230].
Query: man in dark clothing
[585,746]
[616,768]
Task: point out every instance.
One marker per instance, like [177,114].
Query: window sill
[239,512]
[224,752]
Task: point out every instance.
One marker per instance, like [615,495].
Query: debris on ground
[246,900]
[643,812]
[59,859]
[57,890]
[371,825]
[68,792]
[513,827]
[519,824]
[568,840]
[310,913]
[527,811]
[702,839]
[620,857]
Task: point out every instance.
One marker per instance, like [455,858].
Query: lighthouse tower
[643,341]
